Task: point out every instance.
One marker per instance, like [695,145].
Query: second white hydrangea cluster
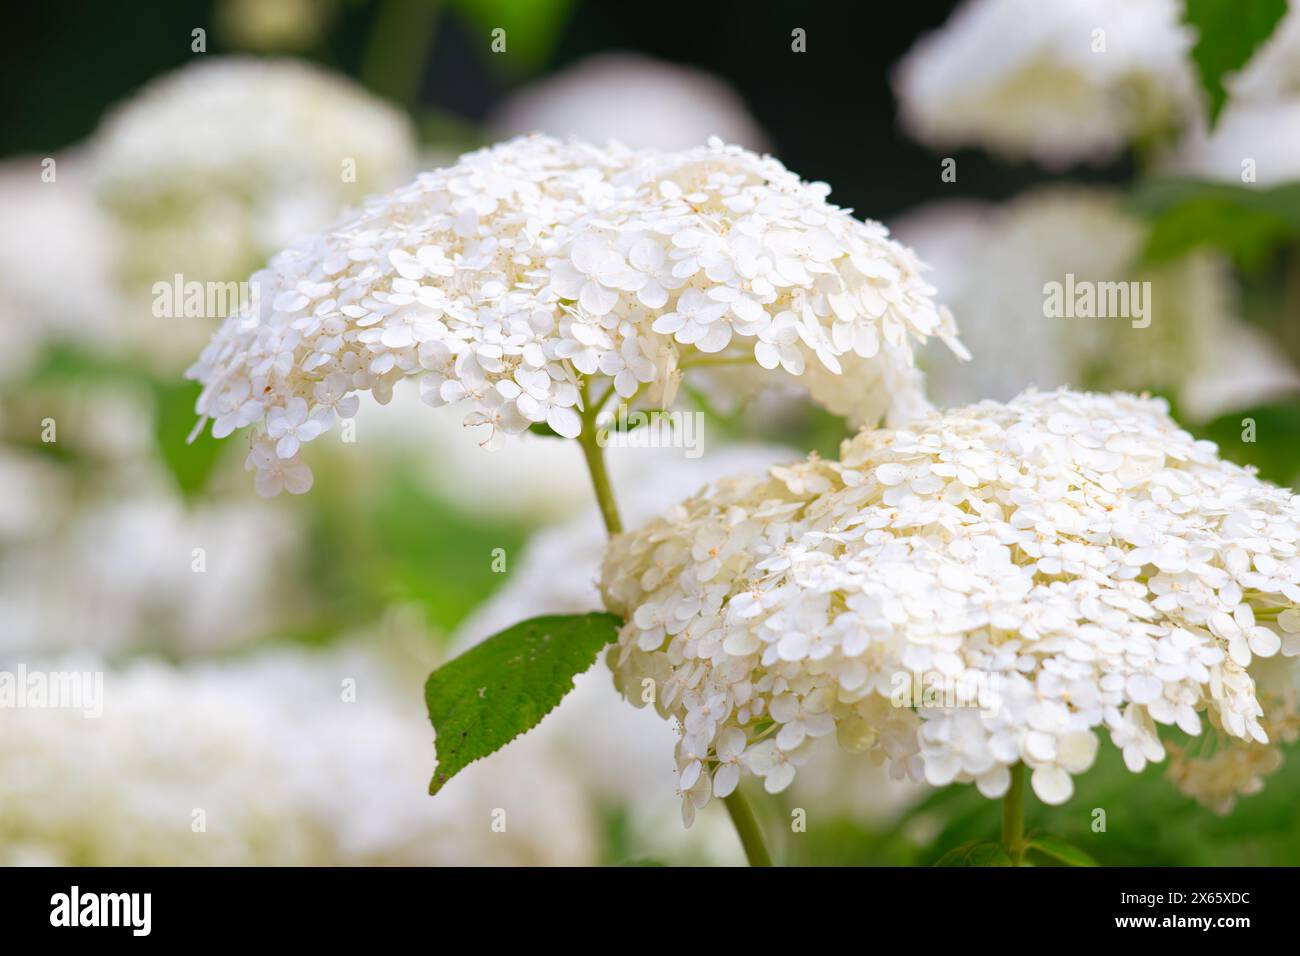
[993,585]
[516,277]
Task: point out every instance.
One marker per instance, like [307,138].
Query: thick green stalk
[595,457]
[746,824]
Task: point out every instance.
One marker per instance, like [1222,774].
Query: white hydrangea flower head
[991,263]
[516,278]
[1039,571]
[210,169]
[1029,80]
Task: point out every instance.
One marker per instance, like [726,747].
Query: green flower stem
[595,456]
[1013,816]
[751,837]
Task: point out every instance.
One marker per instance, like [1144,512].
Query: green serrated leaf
[976,854]
[1228,32]
[1059,850]
[501,688]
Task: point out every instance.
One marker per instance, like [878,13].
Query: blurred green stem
[1287,324]
[399,44]
[1013,816]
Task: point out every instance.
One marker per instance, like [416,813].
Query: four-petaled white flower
[276,474]
[290,425]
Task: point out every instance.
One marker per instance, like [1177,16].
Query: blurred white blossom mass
[1252,143]
[209,169]
[1060,83]
[992,263]
[634,99]
[284,770]
[55,267]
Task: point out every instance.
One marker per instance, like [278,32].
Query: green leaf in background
[1246,222]
[976,854]
[1248,235]
[1275,450]
[499,689]
[532,28]
[432,552]
[1057,849]
[407,545]
[398,46]
[190,464]
[64,365]
[1227,33]
[174,417]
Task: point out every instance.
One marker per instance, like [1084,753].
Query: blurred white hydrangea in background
[108,525]
[55,268]
[284,769]
[30,491]
[636,100]
[991,263]
[209,169]
[1060,83]
[129,558]
[1265,134]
